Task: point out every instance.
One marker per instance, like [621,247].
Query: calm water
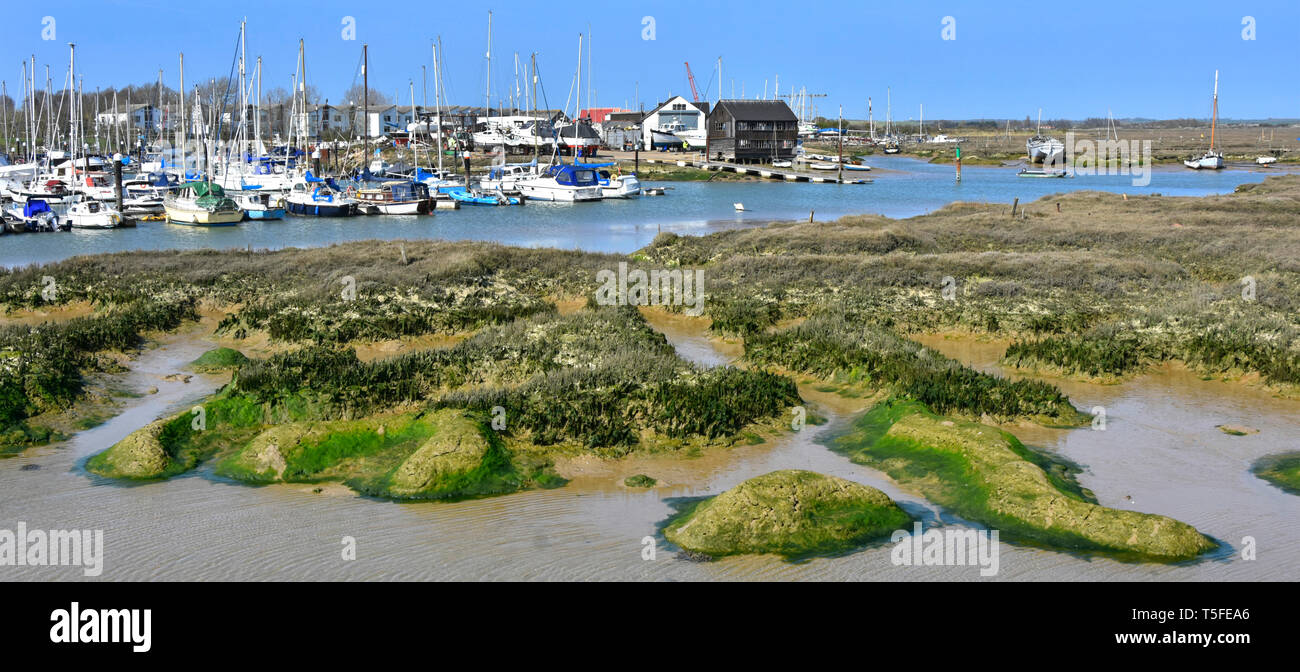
[1161,452]
[903,187]
[1160,448]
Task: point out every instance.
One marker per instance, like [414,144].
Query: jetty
[766,172]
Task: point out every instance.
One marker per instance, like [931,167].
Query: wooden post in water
[1013,206]
[117,182]
[958,163]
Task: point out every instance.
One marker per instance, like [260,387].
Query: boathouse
[752,131]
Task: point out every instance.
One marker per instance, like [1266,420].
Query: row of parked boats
[81,193]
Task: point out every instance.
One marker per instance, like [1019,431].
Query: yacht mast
[487,93]
[72,105]
[257,114]
[437,97]
[183,121]
[365,84]
[1214,117]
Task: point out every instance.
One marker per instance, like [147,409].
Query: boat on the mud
[1211,160]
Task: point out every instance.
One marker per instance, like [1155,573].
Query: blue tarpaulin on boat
[311,178]
[35,206]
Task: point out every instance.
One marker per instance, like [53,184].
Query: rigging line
[225,96]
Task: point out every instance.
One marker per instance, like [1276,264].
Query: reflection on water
[903,187]
[1160,448]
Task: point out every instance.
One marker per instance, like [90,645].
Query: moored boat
[480,197]
[316,197]
[563,183]
[261,205]
[34,215]
[201,204]
[396,198]
[93,215]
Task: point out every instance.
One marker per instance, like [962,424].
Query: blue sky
[1074,60]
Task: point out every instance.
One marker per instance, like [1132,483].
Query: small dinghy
[1038,172]
[476,197]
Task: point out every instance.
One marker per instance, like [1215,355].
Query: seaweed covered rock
[984,474]
[1281,470]
[455,450]
[444,454]
[262,460]
[218,360]
[140,455]
[789,513]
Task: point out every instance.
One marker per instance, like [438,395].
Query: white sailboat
[1041,148]
[1212,160]
[84,214]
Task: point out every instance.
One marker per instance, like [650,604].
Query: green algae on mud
[445,454]
[791,513]
[171,446]
[1282,470]
[986,475]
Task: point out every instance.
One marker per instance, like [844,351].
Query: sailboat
[201,204]
[1212,160]
[1041,148]
[891,144]
[89,214]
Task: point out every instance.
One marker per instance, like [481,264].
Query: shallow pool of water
[1160,449]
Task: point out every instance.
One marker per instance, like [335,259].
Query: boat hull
[560,195]
[187,217]
[273,213]
[1208,162]
[323,210]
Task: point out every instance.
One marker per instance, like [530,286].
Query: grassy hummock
[446,454]
[791,513]
[1281,470]
[218,360]
[639,481]
[984,474]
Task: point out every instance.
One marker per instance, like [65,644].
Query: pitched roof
[701,105]
[758,110]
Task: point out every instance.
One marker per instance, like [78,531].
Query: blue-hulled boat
[463,195]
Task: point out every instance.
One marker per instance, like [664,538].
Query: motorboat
[505,177]
[261,205]
[396,198]
[614,185]
[563,183]
[316,197]
[481,197]
[34,215]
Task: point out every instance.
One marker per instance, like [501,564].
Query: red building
[599,115]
